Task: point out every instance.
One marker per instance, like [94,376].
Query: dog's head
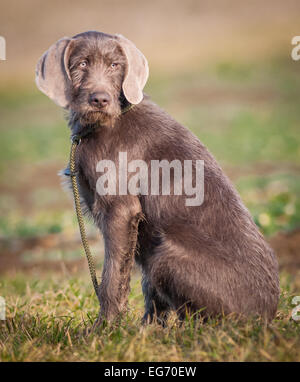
[92,73]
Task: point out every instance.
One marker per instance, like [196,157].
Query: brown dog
[209,257]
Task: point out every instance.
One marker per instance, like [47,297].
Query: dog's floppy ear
[51,76]
[137,71]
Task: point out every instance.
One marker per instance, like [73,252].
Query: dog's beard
[97,117]
[94,117]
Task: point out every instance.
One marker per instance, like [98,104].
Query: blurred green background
[222,68]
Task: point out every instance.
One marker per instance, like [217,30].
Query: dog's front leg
[119,227]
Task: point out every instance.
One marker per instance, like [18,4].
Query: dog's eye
[83,64]
[114,65]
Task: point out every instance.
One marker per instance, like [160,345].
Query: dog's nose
[99,99]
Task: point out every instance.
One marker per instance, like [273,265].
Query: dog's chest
[90,157]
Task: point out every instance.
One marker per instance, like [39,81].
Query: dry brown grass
[47,318]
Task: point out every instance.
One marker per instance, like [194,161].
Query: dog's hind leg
[207,282]
[156,309]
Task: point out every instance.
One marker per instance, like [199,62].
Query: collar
[127,108]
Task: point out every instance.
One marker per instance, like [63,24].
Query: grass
[248,116]
[47,319]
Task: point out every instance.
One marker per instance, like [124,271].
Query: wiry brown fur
[211,257]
